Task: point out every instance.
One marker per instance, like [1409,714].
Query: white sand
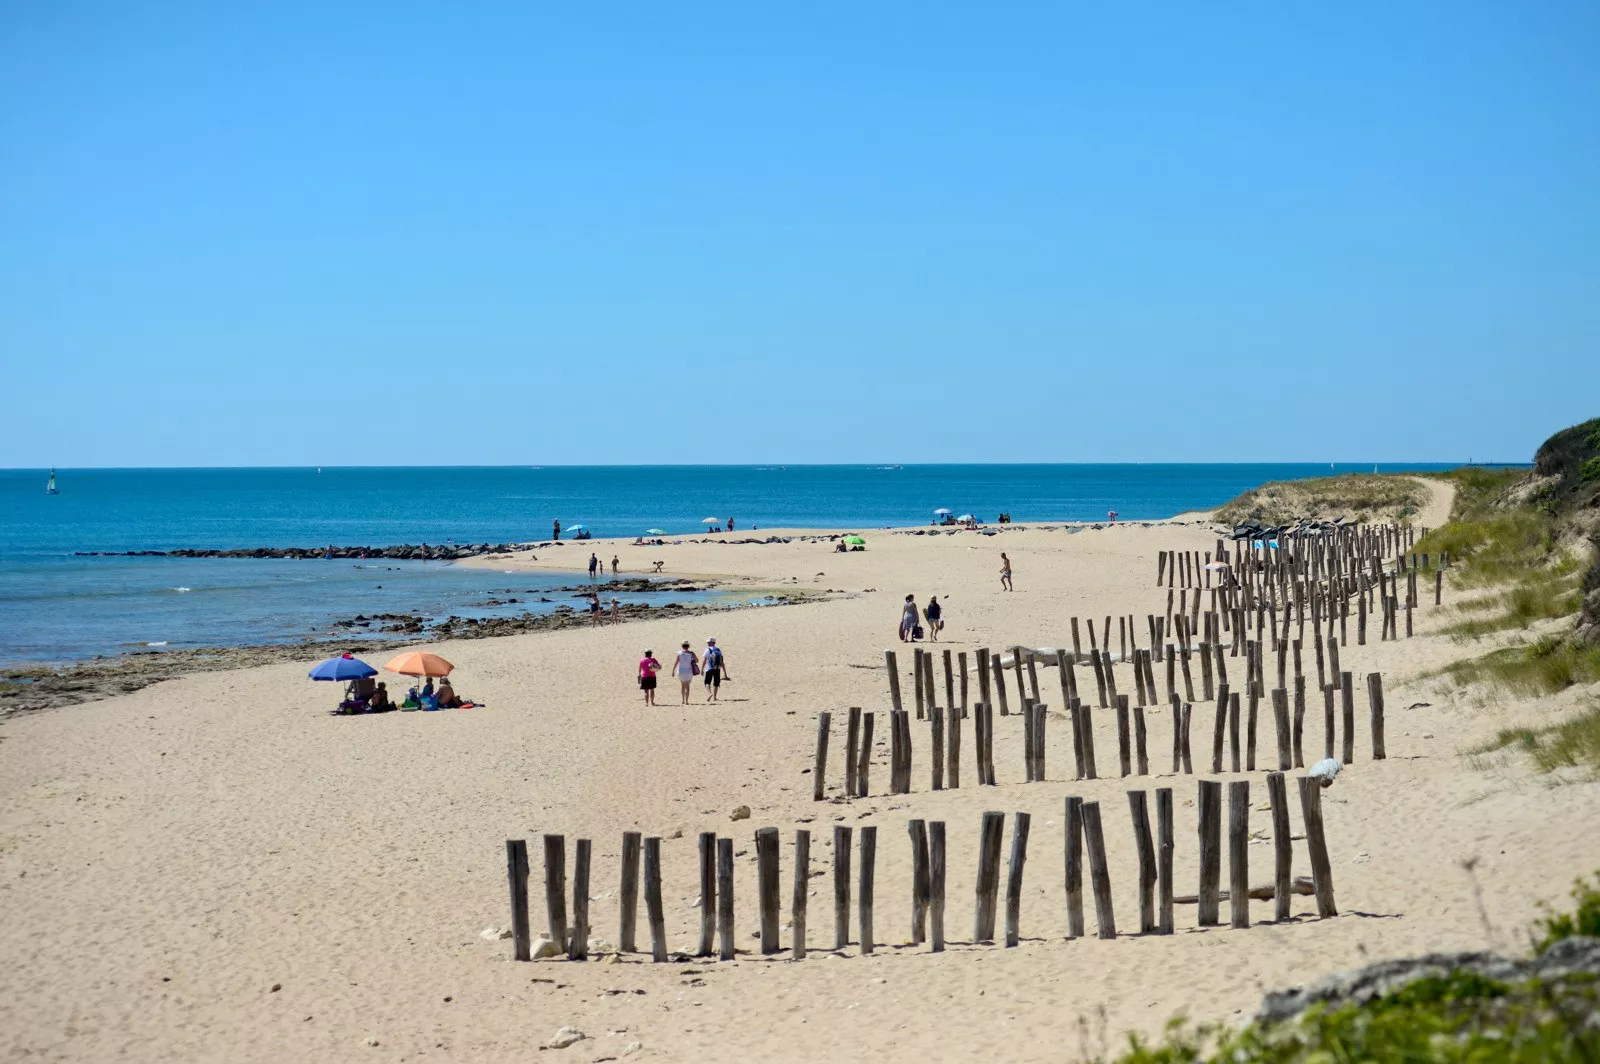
[167,857]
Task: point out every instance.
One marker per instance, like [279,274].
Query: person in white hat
[716,669]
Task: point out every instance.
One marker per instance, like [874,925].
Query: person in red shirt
[648,667]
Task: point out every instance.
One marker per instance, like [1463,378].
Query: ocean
[55,606]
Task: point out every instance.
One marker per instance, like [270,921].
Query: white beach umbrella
[712,521]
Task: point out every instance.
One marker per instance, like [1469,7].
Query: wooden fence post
[1139,810]
[1375,701]
[1222,722]
[1299,721]
[1280,725]
[1019,857]
[708,893]
[517,878]
[1239,852]
[1283,849]
[868,862]
[555,888]
[918,830]
[1164,851]
[1317,846]
[802,888]
[863,756]
[852,753]
[936,753]
[578,943]
[767,886]
[629,893]
[953,751]
[841,886]
[1074,867]
[1099,877]
[727,944]
[1210,818]
[1124,755]
[820,769]
[988,882]
[894,679]
[936,869]
[1347,701]
[652,899]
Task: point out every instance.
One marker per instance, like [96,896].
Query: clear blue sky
[332,233]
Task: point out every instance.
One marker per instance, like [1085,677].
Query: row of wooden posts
[1084,846]
[1235,725]
[1314,556]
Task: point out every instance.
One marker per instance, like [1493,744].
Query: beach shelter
[577,528]
[712,521]
[943,511]
[855,541]
[343,668]
[419,663]
[964,517]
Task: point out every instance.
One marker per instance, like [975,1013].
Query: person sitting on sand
[380,700]
[841,548]
[427,688]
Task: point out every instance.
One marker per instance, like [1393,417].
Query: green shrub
[1583,920]
[1590,470]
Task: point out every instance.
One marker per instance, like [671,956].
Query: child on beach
[648,667]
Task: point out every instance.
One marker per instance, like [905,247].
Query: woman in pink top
[648,667]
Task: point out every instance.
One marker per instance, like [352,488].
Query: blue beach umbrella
[343,668]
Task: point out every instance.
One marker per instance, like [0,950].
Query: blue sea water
[55,606]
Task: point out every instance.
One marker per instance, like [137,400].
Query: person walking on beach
[1005,572]
[594,563]
[594,607]
[685,669]
[616,615]
[555,529]
[716,666]
[615,567]
[933,612]
[648,667]
[908,619]
[730,524]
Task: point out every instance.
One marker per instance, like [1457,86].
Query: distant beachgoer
[1005,572]
[616,566]
[555,529]
[427,688]
[648,667]
[380,700]
[716,670]
[616,615]
[908,618]
[594,607]
[447,697]
[730,524]
[1112,516]
[932,612]
[685,669]
[594,563]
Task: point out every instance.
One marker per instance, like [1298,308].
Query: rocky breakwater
[397,552]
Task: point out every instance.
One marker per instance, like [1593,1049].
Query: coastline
[26,688]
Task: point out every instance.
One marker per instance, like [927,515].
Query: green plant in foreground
[1572,743]
[1459,1016]
[1584,919]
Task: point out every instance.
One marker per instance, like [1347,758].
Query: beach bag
[916,631]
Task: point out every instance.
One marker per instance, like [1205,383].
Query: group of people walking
[912,618]
[686,666]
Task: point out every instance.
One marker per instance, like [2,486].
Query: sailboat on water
[50,488]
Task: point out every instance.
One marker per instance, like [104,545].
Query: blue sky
[311,233]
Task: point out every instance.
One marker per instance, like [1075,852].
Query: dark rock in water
[410,551]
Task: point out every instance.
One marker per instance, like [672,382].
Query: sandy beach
[214,868]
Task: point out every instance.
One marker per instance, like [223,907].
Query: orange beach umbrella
[419,663]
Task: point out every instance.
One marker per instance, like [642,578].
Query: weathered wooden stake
[802,889]
[767,886]
[819,771]
[1280,725]
[632,842]
[555,888]
[652,899]
[1074,867]
[936,884]
[894,679]
[1210,819]
[988,882]
[1239,852]
[1164,851]
[852,753]
[841,886]
[1139,810]
[918,830]
[708,893]
[869,861]
[578,944]
[864,756]
[1124,755]
[1099,877]
[1019,857]
[1317,846]
[727,944]
[1347,701]
[517,879]
[1375,701]
[1283,848]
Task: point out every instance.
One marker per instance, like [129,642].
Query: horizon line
[888,466]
